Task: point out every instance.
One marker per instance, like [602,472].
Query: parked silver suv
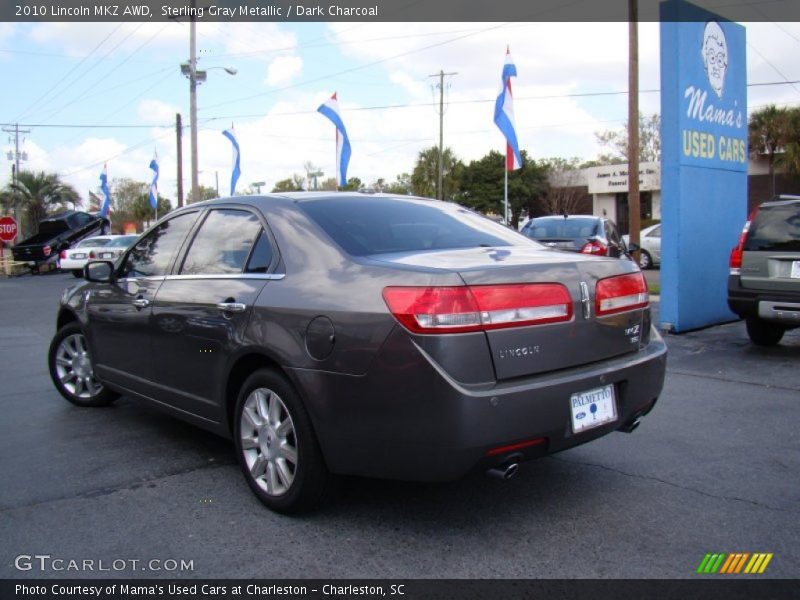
[764,282]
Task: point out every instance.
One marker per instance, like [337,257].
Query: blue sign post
[703,162]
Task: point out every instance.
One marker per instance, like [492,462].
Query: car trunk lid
[527,350]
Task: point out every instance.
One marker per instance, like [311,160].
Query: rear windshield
[123,242]
[375,225]
[775,228]
[93,242]
[562,228]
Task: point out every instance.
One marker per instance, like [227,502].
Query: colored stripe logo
[735,563]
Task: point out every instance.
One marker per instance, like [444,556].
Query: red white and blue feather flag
[504,115]
[330,109]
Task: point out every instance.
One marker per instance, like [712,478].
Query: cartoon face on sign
[715,56]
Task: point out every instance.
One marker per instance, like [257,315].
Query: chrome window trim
[255,276]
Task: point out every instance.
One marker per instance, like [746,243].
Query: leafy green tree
[616,141]
[482,183]
[329,185]
[425,176]
[768,134]
[38,194]
[353,185]
[791,157]
[401,185]
[290,184]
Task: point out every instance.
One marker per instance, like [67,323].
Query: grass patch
[654,289]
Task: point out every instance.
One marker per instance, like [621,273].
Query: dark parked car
[366,335]
[58,233]
[578,233]
[764,281]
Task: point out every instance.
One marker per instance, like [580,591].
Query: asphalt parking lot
[714,468]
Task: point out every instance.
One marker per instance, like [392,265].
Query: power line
[70,72]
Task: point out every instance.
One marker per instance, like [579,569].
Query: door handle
[232,307]
[141,303]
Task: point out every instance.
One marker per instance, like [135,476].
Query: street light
[195,77]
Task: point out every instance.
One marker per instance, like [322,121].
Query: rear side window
[261,257]
[563,228]
[379,225]
[93,242]
[223,243]
[775,228]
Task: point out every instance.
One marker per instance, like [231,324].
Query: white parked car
[101,247]
[650,238]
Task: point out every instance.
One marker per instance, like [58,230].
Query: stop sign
[8,229]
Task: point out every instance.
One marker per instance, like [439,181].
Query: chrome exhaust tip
[505,471]
[630,427]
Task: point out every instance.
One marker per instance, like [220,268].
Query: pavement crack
[673,484]
[107,491]
[769,386]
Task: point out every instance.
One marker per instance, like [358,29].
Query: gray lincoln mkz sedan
[360,334]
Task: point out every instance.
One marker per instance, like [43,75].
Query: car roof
[782,200]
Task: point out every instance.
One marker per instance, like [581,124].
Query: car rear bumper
[413,422]
[770,305]
[73,265]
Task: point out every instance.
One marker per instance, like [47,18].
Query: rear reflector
[621,293]
[512,447]
[63,255]
[463,309]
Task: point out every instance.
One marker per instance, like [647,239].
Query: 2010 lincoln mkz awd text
[368,335]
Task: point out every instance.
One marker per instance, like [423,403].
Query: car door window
[222,244]
[656,233]
[154,254]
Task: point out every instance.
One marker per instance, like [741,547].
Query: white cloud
[156,111]
[283,69]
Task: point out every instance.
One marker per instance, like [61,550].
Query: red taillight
[736,253]
[63,255]
[47,250]
[92,254]
[621,293]
[595,247]
[463,309]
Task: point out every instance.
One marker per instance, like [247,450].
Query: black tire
[645,260]
[84,392]
[77,273]
[310,477]
[764,333]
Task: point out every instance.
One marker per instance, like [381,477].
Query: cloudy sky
[122,84]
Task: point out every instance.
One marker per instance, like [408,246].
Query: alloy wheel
[74,369]
[268,441]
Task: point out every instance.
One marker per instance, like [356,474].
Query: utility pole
[179,141]
[193,100]
[441,75]
[634,210]
[16,131]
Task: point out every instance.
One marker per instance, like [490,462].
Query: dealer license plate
[593,408]
[78,255]
[795,274]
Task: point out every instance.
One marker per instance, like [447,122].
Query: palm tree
[38,193]
[425,177]
[768,134]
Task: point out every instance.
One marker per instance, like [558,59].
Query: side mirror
[101,271]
